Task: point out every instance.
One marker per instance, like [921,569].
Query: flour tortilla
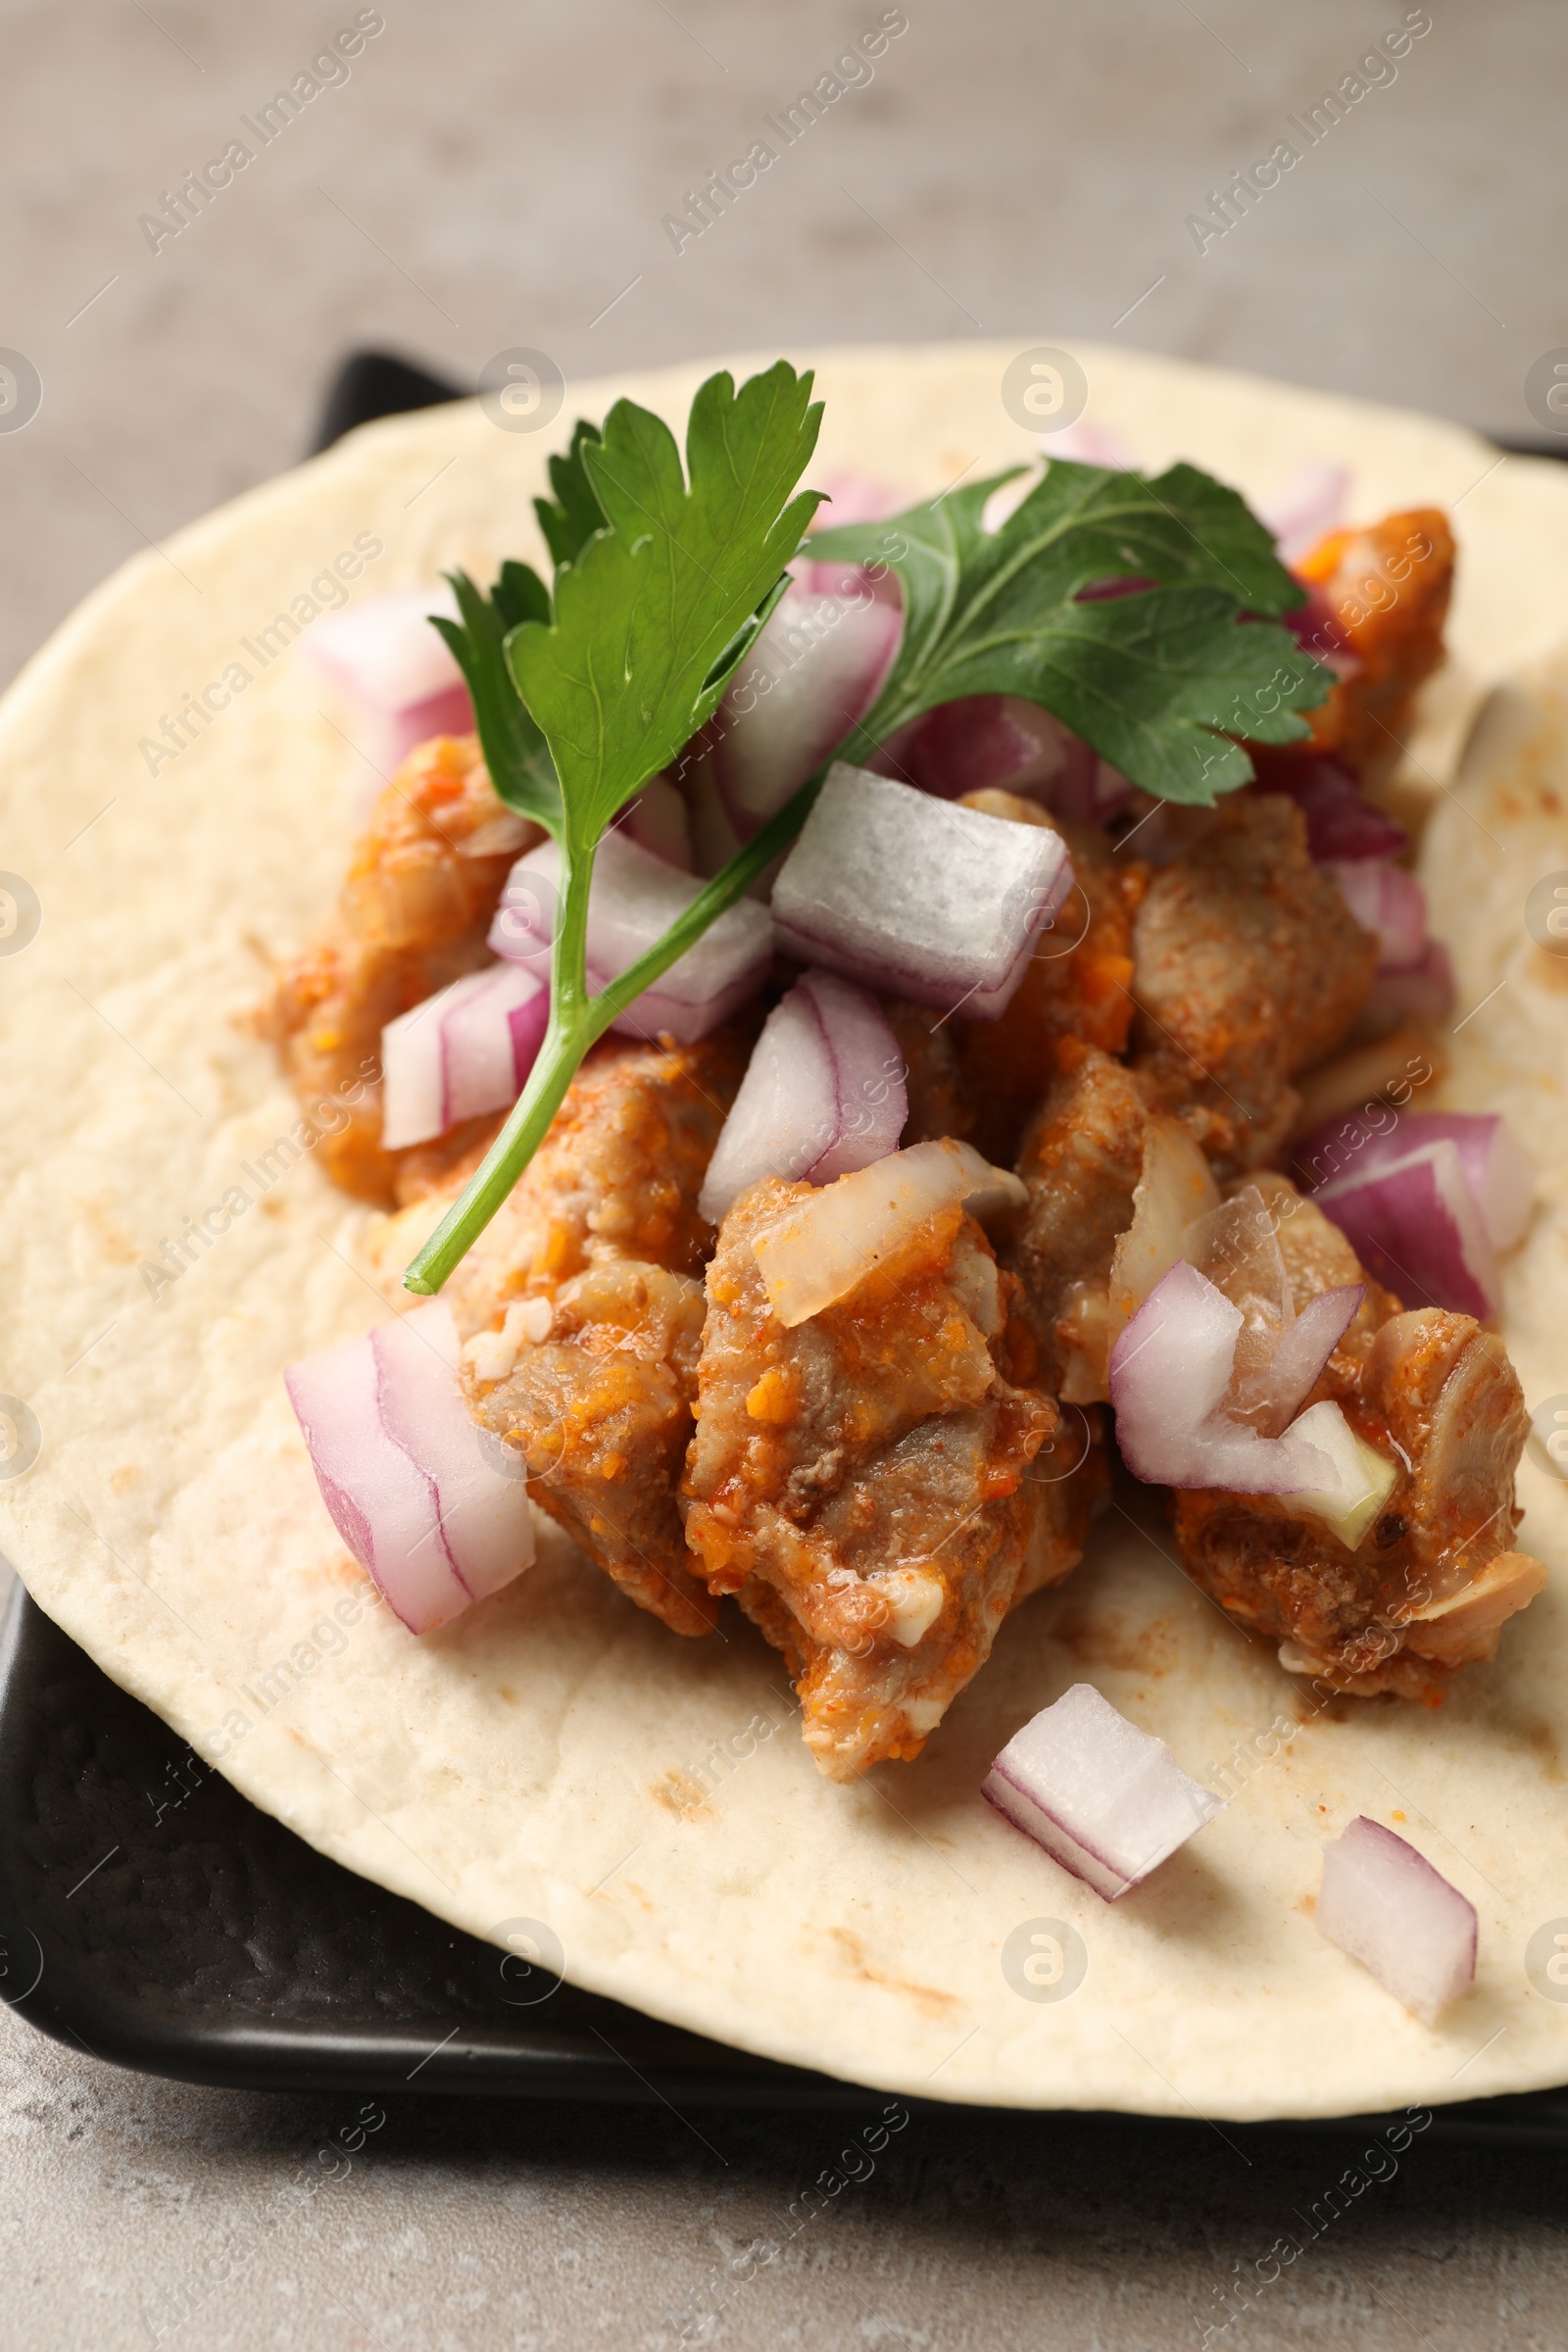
[542,1759]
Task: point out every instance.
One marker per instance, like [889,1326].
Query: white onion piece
[1170,1372]
[1390,904]
[1175,1188]
[658,820]
[1496,1168]
[816,1251]
[480,1488]
[1414,1225]
[1363,1482]
[379,1417]
[396,675]
[633,900]
[465,1050]
[814,669]
[1107,1801]
[1305,506]
[910,894]
[823,1094]
[1384,1903]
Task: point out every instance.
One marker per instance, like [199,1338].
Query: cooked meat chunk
[580,1307]
[1434,1576]
[1387,590]
[1250,968]
[939,1099]
[1077,990]
[422,885]
[862,1481]
[601,1410]
[1081,1161]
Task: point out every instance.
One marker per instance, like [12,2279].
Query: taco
[808,1292]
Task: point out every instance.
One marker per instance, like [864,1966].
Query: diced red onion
[465,1050]
[1414,1224]
[815,667]
[853,497]
[1496,1168]
[1107,1801]
[1339,824]
[988,741]
[394,672]
[1170,1372]
[823,1094]
[403,1470]
[911,895]
[633,900]
[660,821]
[1305,506]
[819,1249]
[1275,1394]
[1390,904]
[1317,629]
[1384,1903]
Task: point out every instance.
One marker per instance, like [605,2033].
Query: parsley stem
[577,1020]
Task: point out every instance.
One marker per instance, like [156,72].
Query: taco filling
[848,1084]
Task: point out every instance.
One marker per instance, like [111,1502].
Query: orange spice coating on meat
[587,1287]
[1077,989]
[1250,968]
[1436,1576]
[1388,588]
[423,883]
[862,1481]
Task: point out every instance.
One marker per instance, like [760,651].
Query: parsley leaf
[1158,680]
[653,610]
[570,519]
[657,609]
[515,749]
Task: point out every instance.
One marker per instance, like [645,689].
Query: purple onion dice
[917,896]
[396,673]
[1107,1801]
[1414,1223]
[1495,1165]
[1384,1903]
[634,899]
[465,1050]
[426,1505]
[823,1094]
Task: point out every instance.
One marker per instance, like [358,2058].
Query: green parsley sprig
[664,580]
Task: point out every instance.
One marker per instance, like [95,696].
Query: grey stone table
[489,174]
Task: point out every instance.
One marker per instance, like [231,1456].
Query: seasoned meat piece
[1081,1161]
[1250,968]
[1434,1576]
[422,885]
[1387,589]
[581,1305]
[862,1481]
[939,1099]
[1077,990]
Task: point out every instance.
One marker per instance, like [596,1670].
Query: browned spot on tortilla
[681,1794]
[853,1951]
[503,1691]
[1540,1735]
[1106,1638]
[125,1476]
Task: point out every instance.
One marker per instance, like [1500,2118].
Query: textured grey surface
[495,175]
